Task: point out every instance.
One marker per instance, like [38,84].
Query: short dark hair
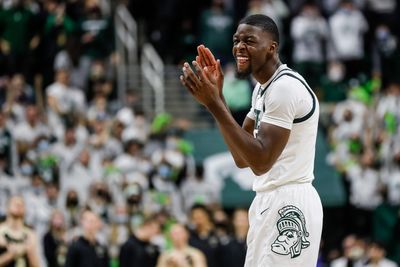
[264,22]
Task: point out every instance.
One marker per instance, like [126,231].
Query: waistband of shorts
[288,185]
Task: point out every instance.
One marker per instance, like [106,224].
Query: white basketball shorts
[285,227]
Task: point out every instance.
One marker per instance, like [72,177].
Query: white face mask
[335,73]
[356,253]
[26,169]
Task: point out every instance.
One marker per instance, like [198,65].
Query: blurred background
[99,141]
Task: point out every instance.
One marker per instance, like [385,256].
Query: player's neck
[269,69]
[15,223]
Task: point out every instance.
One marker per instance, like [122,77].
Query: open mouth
[241,60]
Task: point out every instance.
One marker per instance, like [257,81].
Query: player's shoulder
[288,81]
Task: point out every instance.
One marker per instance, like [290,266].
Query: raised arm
[212,69]
[257,153]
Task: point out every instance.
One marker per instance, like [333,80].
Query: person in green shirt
[17,36]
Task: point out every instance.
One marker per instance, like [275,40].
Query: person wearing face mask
[72,208]
[353,253]
[376,256]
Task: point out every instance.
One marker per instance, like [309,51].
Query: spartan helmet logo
[292,232]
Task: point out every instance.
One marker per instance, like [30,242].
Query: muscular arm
[206,86]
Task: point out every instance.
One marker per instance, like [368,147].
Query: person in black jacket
[86,251]
[203,235]
[233,248]
[137,251]
[54,241]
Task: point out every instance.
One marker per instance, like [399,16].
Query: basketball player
[277,141]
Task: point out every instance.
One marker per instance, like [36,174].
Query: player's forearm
[239,161]
[246,150]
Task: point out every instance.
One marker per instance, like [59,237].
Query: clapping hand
[205,84]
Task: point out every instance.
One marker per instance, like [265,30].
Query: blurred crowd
[87,180]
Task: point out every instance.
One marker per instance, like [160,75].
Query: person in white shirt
[376,253]
[347,28]
[308,31]
[62,98]
[28,131]
[277,142]
[353,252]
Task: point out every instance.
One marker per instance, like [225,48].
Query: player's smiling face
[251,49]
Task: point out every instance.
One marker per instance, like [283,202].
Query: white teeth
[242,58]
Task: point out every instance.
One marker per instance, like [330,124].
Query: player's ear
[273,47]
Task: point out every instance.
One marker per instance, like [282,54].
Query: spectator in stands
[18,243]
[309,31]
[353,252]
[8,149]
[17,37]
[197,190]
[96,31]
[62,98]
[19,94]
[86,251]
[118,229]
[233,250]
[237,94]
[222,224]
[132,163]
[71,209]
[100,201]
[382,12]
[365,193]
[182,254]
[349,117]
[275,9]
[58,27]
[376,253]
[101,142]
[385,54]
[67,150]
[80,176]
[138,249]
[55,241]
[28,131]
[38,214]
[203,236]
[216,26]
[71,58]
[347,27]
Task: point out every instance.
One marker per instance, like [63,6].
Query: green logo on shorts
[292,232]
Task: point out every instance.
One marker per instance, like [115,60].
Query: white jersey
[288,102]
